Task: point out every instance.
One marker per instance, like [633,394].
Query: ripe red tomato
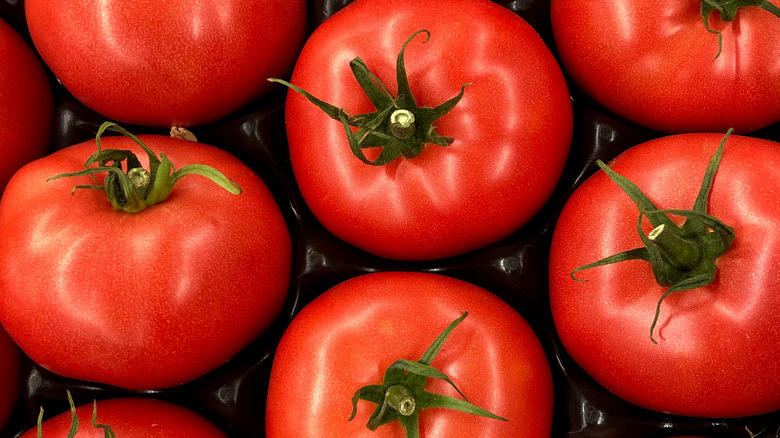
[511,129]
[346,338]
[146,300]
[26,105]
[654,62]
[131,418]
[716,354]
[9,376]
[161,63]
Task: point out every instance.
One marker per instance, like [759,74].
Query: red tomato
[716,354]
[160,63]
[9,376]
[26,105]
[654,62]
[346,338]
[145,300]
[511,129]
[131,418]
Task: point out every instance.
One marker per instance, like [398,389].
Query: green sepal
[429,399]
[372,130]
[728,12]
[423,370]
[692,282]
[39,429]
[108,432]
[641,200]
[372,393]
[434,349]
[672,266]
[631,254]
[74,420]
[411,377]
[375,89]
[122,192]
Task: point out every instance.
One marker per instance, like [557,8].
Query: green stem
[401,396]
[682,257]
[135,189]
[684,254]
[402,124]
[398,125]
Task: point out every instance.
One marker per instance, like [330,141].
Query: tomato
[146,300]
[715,354]
[347,337]
[167,63]
[512,127]
[655,63]
[26,104]
[131,418]
[10,375]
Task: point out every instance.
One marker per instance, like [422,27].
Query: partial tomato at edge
[154,63]
[131,418]
[654,62]
[347,337]
[26,104]
[146,300]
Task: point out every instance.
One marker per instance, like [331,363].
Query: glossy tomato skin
[146,300]
[10,375]
[26,104]
[347,337]
[132,418]
[163,63]
[715,354]
[653,63]
[512,128]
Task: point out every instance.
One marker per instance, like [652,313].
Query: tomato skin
[10,376]
[132,418]
[512,128]
[653,63]
[26,104]
[147,300]
[347,337]
[162,63]
[714,356]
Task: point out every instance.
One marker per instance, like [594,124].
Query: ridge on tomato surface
[146,300]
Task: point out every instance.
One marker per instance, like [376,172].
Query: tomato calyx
[138,188]
[402,396]
[74,421]
[728,12]
[682,257]
[398,125]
